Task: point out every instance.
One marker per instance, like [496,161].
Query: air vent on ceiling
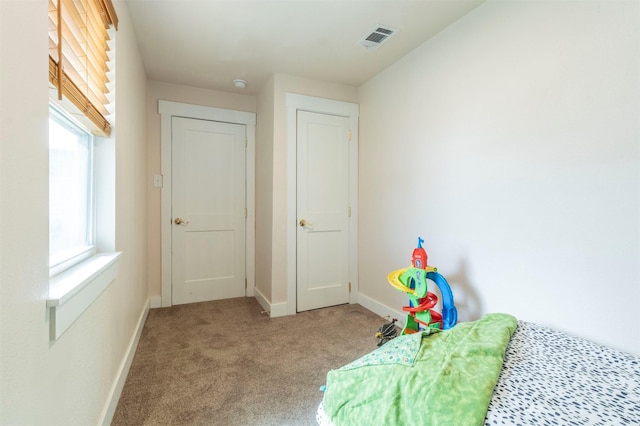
[378,35]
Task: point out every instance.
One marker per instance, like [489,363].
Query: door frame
[296,102]
[168,110]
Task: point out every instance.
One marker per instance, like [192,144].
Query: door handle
[305,223]
[179,221]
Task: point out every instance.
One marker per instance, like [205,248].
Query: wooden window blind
[79,56]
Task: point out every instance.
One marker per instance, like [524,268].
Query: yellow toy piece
[394,280]
[413,282]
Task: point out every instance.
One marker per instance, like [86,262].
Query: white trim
[262,300]
[177,109]
[73,291]
[279,310]
[295,103]
[274,310]
[322,105]
[167,110]
[155,302]
[250,228]
[123,371]
[69,258]
[382,310]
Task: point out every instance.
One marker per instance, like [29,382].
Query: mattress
[551,378]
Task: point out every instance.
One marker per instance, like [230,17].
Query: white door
[208,210]
[322,210]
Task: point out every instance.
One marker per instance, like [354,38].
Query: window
[79,57]
[83,262]
[82,259]
[71,217]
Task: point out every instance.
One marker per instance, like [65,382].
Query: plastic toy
[387,332]
[413,281]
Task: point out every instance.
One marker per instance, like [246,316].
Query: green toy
[413,282]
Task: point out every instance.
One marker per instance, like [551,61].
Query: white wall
[509,142]
[264,190]
[71,380]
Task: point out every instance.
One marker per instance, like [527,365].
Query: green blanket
[428,378]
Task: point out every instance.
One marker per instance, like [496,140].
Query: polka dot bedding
[550,378]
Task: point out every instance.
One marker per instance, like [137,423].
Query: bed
[494,371]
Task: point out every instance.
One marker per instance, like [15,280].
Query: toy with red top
[413,281]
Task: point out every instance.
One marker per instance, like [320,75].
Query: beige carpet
[225,363]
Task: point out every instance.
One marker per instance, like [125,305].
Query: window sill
[73,291]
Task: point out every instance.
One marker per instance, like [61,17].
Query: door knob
[179,221]
[304,222]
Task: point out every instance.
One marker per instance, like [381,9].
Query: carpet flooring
[226,363]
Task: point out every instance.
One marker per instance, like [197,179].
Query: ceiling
[209,43]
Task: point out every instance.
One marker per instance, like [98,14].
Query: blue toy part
[449,311]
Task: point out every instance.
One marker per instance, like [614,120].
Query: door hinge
[246,213]
[245,283]
[349,135]
[349,211]
[349,286]
[246,142]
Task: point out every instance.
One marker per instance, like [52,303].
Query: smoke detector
[378,35]
[240,84]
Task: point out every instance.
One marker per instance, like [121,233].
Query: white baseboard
[279,310]
[274,309]
[155,302]
[262,300]
[381,309]
[121,377]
